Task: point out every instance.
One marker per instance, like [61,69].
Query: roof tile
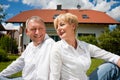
[48,14]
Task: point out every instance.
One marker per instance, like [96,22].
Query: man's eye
[40,28]
[32,29]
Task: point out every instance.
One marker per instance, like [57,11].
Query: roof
[2,28]
[84,16]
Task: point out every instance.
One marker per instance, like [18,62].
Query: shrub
[3,55]
[110,40]
[8,44]
[89,39]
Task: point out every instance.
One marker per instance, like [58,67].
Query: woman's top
[68,63]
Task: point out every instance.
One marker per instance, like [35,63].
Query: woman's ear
[74,27]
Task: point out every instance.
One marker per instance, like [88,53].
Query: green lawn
[3,65]
[95,63]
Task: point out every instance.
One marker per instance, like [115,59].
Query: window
[55,16]
[86,34]
[84,16]
[55,37]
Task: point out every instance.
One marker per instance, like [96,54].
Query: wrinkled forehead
[36,21]
[39,22]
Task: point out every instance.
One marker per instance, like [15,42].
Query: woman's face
[65,30]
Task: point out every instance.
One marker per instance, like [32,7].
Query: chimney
[59,7]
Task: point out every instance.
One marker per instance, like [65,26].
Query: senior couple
[67,59]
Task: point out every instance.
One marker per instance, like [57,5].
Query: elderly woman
[71,58]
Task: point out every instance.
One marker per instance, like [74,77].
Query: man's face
[36,31]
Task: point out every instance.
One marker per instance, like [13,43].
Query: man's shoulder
[49,41]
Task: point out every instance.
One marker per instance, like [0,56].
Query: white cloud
[115,13]
[51,5]
[10,26]
[100,5]
[70,4]
[36,3]
[4,6]
[111,27]
[66,4]
[103,6]
[85,4]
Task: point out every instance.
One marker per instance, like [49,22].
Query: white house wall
[91,29]
[96,29]
[50,29]
[26,40]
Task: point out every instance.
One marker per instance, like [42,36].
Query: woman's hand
[118,63]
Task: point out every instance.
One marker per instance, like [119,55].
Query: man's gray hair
[34,18]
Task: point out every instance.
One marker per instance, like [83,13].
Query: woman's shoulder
[82,42]
[58,43]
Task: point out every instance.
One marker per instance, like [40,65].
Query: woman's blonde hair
[67,17]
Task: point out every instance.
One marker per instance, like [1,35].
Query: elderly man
[34,61]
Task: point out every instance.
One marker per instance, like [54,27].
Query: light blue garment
[106,71]
[4,78]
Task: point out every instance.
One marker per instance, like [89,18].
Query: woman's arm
[103,54]
[118,63]
[55,63]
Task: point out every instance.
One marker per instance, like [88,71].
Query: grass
[94,65]
[3,65]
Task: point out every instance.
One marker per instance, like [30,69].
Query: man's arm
[13,68]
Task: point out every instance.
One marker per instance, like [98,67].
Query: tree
[2,13]
[89,39]
[110,40]
[8,44]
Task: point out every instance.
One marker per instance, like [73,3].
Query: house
[11,32]
[2,29]
[90,21]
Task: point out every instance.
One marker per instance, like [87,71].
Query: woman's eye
[62,24]
[56,28]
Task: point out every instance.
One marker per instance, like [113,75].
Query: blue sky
[14,7]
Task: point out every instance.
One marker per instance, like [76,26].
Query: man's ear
[26,31]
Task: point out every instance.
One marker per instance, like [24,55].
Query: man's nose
[37,31]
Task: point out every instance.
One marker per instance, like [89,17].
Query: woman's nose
[58,29]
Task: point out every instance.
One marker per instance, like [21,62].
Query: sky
[14,7]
